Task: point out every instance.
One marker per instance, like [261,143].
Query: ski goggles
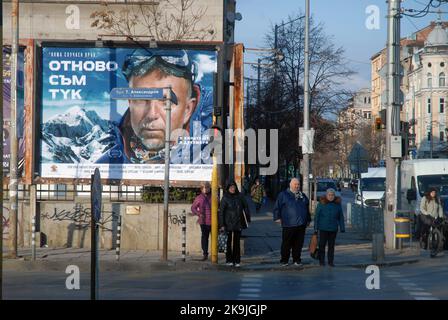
[174,62]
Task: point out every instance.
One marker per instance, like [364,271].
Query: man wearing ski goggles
[145,120]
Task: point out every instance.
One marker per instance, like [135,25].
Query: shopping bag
[222,242]
[314,250]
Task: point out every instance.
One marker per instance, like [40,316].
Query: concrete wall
[68,225]
[61,21]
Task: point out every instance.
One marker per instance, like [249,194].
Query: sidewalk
[261,252]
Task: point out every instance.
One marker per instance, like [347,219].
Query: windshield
[373,184]
[440,182]
[324,185]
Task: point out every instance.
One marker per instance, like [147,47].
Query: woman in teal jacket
[329,217]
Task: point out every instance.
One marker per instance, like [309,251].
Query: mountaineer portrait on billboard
[143,125]
[84,127]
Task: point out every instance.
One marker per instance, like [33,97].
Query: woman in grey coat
[431,208]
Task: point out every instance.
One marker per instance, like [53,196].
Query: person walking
[233,217]
[292,211]
[430,209]
[202,207]
[257,194]
[328,218]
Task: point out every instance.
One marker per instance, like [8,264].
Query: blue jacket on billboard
[292,212]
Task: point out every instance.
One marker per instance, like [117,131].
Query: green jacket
[257,193]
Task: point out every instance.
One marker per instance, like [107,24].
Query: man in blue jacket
[292,211]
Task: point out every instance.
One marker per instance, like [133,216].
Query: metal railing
[367,221]
[66,192]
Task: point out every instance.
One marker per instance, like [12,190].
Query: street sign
[141,94]
[136,94]
[358,153]
[96,194]
[358,159]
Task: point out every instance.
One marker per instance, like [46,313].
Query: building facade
[426,96]
[423,57]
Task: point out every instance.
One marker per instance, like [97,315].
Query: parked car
[323,185]
[346,183]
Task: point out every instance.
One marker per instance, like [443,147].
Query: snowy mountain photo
[77,136]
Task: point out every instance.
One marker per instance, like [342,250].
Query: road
[421,281]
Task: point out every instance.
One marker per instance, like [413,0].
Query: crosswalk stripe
[420,293]
[252,284]
[250,290]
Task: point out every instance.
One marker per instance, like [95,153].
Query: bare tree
[281,103]
[164,20]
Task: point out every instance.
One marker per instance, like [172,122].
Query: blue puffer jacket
[292,212]
[329,215]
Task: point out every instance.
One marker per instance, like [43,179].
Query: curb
[173,266]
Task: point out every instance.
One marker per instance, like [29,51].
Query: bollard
[184,234]
[402,230]
[33,238]
[378,247]
[349,213]
[118,243]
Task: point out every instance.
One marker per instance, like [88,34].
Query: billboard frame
[29,108]
[35,177]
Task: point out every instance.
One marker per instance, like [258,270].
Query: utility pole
[13,182]
[306,107]
[167,172]
[1,154]
[393,118]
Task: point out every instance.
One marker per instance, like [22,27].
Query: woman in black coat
[233,217]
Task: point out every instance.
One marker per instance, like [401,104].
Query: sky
[345,20]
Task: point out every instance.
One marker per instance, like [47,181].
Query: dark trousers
[258,206]
[205,229]
[292,239]
[233,253]
[324,238]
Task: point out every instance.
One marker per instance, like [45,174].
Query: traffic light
[378,123]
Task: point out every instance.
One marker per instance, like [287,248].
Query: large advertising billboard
[7,107]
[83,127]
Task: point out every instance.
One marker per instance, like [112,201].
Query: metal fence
[368,221]
[66,192]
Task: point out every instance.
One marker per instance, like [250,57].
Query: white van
[373,184]
[417,176]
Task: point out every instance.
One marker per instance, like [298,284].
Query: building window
[429,80]
[369,100]
[429,136]
[441,136]
[442,105]
[365,100]
[429,105]
[441,79]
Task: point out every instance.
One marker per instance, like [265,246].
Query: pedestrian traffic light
[378,123]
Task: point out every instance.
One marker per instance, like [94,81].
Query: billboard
[84,127]
[7,108]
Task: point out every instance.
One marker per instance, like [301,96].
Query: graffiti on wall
[176,219]
[6,222]
[81,216]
